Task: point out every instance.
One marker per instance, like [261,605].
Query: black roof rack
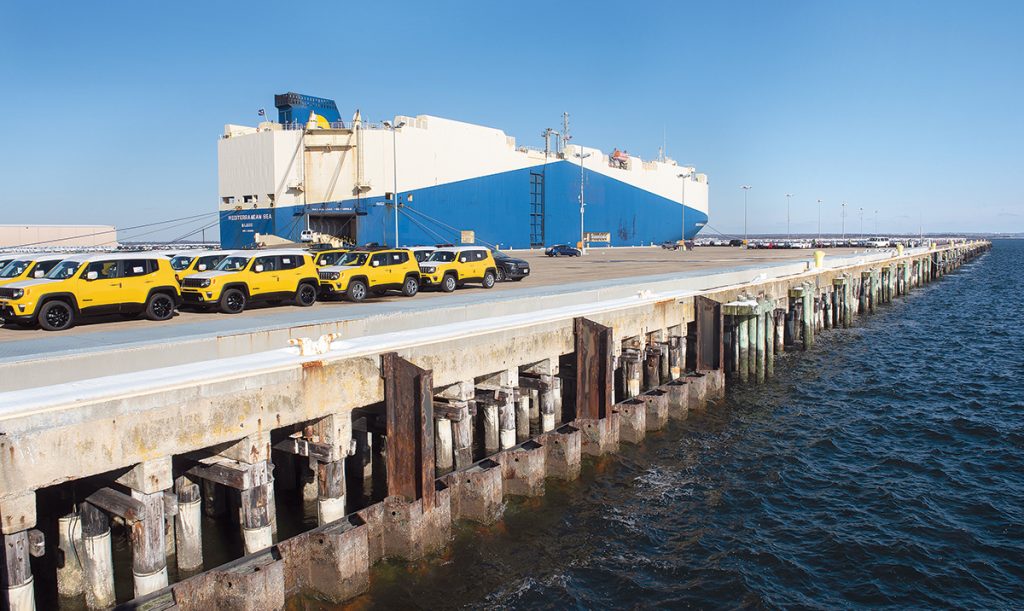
[372,246]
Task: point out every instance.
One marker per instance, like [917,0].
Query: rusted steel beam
[594,372]
[408,399]
[709,342]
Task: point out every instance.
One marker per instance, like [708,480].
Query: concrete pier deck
[397,420]
[110,345]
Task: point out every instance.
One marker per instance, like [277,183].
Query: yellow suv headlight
[331,275]
[18,294]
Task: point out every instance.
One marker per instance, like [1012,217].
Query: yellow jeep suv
[85,285]
[454,266]
[248,276]
[28,266]
[193,262]
[360,272]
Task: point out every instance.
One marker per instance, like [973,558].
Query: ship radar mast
[565,130]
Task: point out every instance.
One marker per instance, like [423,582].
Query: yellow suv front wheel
[356,290]
[449,283]
[232,301]
[56,315]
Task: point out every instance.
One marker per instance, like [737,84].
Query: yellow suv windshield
[330,258]
[233,264]
[14,269]
[442,257]
[181,262]
[353,258]
[65,270]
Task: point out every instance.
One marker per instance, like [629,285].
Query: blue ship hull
[497,208]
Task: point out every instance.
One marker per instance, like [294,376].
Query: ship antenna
[565,130]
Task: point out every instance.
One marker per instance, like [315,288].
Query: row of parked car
[54,291]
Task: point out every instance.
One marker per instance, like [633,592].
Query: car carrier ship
[311,173]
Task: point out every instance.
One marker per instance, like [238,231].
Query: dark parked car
[562,250]
[510,268]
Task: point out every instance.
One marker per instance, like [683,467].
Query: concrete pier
[442,423]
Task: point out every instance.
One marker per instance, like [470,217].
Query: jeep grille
[192,283]
[6,293]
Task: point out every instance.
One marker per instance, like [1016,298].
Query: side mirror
[38,274]
[375,264]
[92,275]
[258,269]
[202,267]
[462,259]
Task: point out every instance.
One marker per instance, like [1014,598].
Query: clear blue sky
[112,110]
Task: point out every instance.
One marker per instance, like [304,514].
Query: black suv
[510,268]
[562,250]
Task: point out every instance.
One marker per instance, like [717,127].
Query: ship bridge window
[228,200]
[248,199]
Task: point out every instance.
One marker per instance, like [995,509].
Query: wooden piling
[331,489]
[507,419]
[444,453]
[16,572]
[255,514]
[752,341]
[759,348]
[808,327]
[149,552]
[676,357]
[97,558]
[779,318]
[633,371]
[744,344]
[462,436]
[492,441]
[523,415]
[664,361]
[188,526]
[768,320]
[70,576]
[214,501]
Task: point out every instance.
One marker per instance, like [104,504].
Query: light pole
[788,233]
[844,221]
[394,166]
[819,220]
[582,156]
[862,222]
[682,201]
[745,189]
[876,222]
